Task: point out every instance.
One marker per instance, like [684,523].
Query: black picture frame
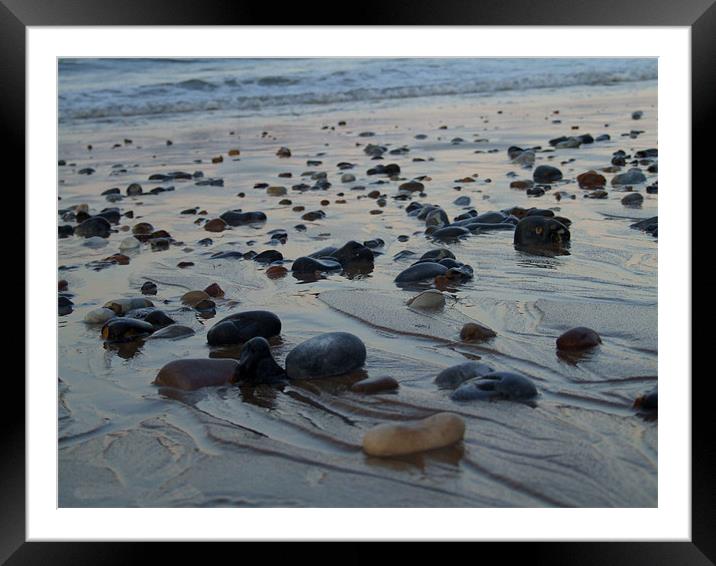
[699,15]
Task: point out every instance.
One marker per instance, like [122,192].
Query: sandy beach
[125,441]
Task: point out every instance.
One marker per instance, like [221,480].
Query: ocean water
[115,89]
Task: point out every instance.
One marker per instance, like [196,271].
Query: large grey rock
[325,355]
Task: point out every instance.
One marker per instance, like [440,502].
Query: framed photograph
[395,281]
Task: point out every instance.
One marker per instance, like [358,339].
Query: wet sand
[125,442]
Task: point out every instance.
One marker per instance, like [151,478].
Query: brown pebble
[121,259]
[521,185]
[474,332]
[276,272]
[142,228]
[184,264]
[284,152]
[218,159]
[215,225]
[375,384]
[591,180]
[195,373]
[376,211]
[578,338]
[192,298]
[62,285]
[214,290]
[233,152]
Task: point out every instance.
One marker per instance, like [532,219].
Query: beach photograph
[357,282]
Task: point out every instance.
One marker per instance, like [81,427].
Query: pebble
[631,177]
[64,305]
[94,226]
[172,332]
[540,231]
[241,327]
[431,299]
[578,338]
[129,243]
[157,318]
[412,186]
[591,180]
[276,272]
[149,288]
[648,401]
[192,298]
[99,315]
[496,385]
[438,431]
[215,225]
[522,185]
[134,189]
[450,233]
[475,332]
[123,306]
[326,355]
[633,199]
[525,158]
[214,290]
[421,272]
[190,374]
[238,218]
[546,174]
[268,256]
[452,377]
[597,194]
[375,385]
[142,228]
[126,329]
[312,265]
[256,364]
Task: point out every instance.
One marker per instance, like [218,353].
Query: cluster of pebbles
[536,230]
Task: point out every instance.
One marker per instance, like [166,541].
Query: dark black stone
[241,327]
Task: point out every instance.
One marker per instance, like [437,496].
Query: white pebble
[430,299]
[129,243]
[437,431]
[99,316]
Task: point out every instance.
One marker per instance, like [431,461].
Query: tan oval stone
[442,429]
